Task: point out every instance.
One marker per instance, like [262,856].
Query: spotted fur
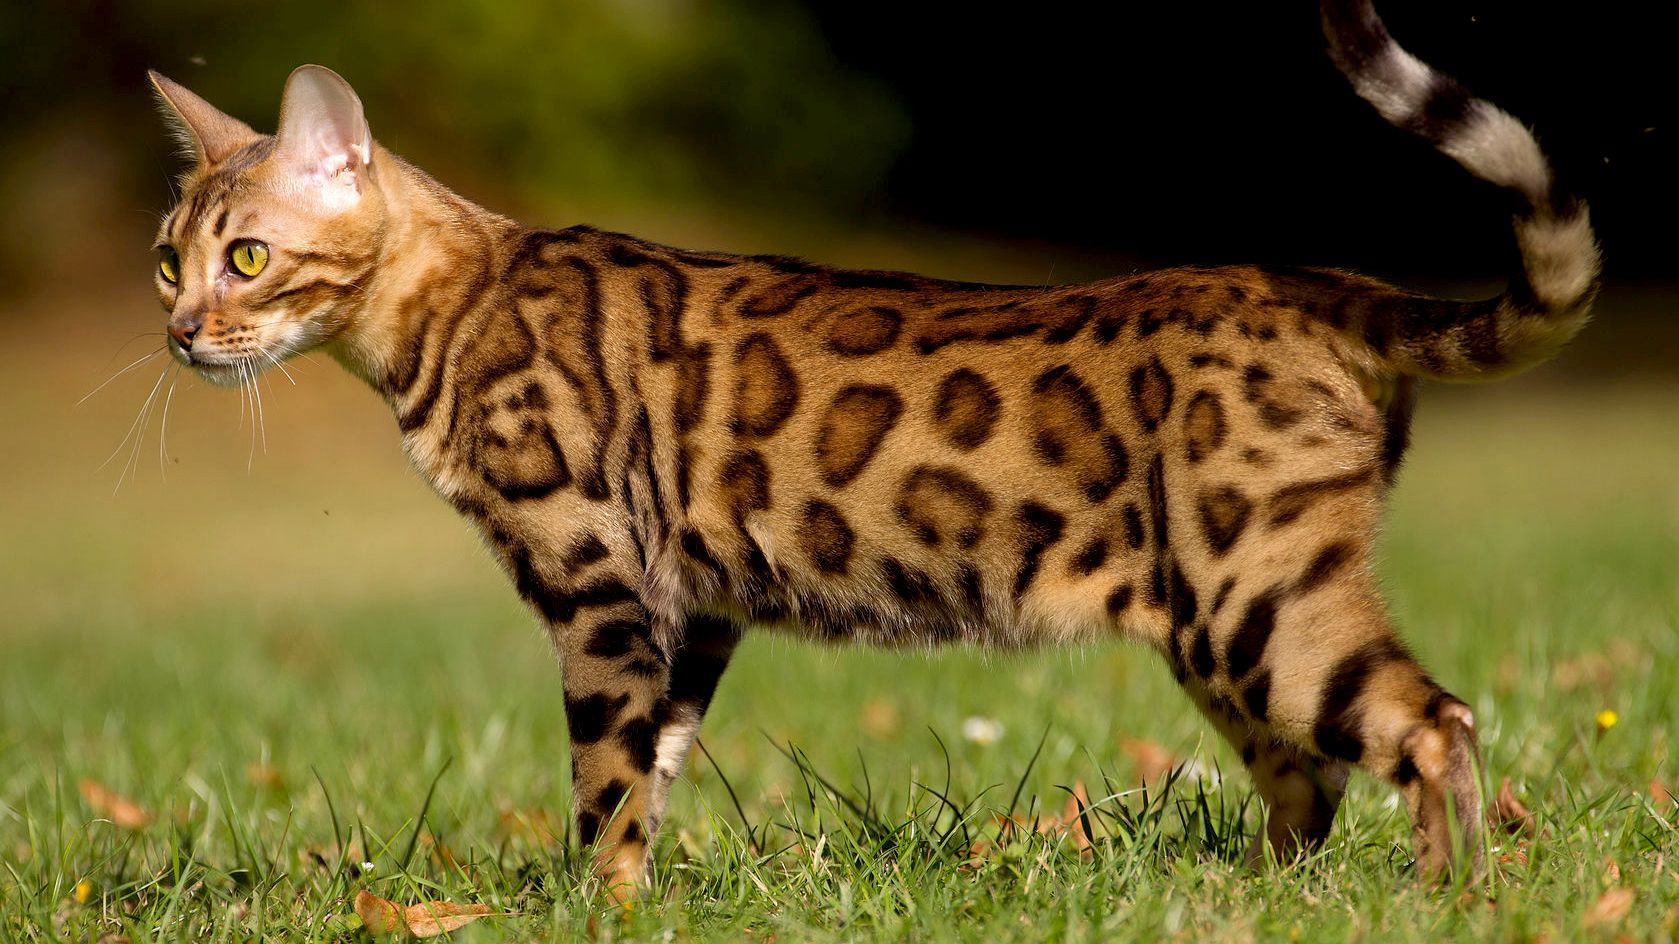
[664,447]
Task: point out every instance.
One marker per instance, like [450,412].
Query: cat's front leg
[617,692]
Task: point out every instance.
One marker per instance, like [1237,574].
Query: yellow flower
[84,891]
[1606,719]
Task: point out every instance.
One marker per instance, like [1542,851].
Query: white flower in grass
[982,731]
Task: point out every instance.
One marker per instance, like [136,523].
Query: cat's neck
[436,254]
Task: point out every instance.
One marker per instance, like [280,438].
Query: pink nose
[183,330]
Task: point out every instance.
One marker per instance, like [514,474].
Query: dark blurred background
[1150,134]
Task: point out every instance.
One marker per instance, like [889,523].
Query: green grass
[324,618]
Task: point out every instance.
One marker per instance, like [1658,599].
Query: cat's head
[269,249]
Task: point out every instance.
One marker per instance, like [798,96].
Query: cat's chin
[227,375]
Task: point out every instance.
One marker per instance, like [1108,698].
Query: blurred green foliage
[592,101]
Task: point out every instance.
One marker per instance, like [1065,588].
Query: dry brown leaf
[426,919]
[1153,761]
[113,806]
[1072,818]
[1610,907]
[431,918]
[1511,814]
[378,916]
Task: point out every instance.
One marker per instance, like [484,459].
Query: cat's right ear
[207,135]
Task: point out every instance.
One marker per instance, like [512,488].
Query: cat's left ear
[323,135]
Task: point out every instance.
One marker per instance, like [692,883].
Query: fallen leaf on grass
[1152,760]
[426,919]
[1610,907]
[113,806]
[1511,814]
[1069,823]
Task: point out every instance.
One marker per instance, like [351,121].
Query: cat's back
[885,456]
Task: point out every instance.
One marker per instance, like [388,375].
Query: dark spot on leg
[588,717]
[588,828]
[1185,607]
[617,637]
[607,800]
[1405,772]
[1256,696]
[1339,716]
[1201,653]
[637,737]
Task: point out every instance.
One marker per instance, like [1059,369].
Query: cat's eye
[249,256]
[169,264]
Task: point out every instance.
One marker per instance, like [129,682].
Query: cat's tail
[1549,298]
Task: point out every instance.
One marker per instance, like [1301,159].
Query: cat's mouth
[223,368]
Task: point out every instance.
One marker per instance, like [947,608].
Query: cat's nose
[184,329]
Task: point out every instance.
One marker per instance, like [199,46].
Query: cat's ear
[323,135]
[207,134]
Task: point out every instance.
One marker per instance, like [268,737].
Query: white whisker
[262,418]
[245,385]
[276,362]
[131,465]
[163,429]
[119,373]
[243,398]
[132,426]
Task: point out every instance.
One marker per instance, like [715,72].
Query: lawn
[231,699]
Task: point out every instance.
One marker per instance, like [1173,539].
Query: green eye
[169,265]
[249,256]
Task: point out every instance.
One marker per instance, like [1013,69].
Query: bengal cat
[664,447]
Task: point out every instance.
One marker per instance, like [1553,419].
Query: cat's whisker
[262,418]
[245,387]
[134,425]
[276,362]
[119,373]
[163,429]
[242,399]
